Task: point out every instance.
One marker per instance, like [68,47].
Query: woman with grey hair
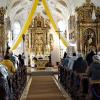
[94,74]
[94,70]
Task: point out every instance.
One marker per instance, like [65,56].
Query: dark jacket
[94,71]
[21,61]
[80,65]
[89,58]
[65,62]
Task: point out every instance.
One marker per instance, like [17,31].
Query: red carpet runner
[44,88]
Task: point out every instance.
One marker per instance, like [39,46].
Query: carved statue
[39,45]
[90,40]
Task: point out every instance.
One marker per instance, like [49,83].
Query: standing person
[21,60]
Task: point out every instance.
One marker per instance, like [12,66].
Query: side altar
[38,40]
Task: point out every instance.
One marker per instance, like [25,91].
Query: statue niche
[39,42]
[89,40]
[38,23]
[38,36]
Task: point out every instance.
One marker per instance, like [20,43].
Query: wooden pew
[94,90]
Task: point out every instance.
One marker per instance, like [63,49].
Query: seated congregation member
[80,65]
[89,57]
[71,61]
[8,64]
[94,69]
[12,58]
[70,68]
[4,86]
[3,90]
[98,53]
[79,69]
[94,74]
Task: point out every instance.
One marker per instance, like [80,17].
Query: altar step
[45,72]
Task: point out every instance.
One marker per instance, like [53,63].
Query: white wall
[57,46]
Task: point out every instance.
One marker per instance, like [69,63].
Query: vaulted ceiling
[18,10]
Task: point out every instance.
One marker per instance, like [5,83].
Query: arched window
[62,26]
[16,29]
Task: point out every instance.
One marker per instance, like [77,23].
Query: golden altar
[41,63]
[38,41]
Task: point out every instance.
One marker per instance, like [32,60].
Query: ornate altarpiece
[88,28]
[37,39]
[2,31]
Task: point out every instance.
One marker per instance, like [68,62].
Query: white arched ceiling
[60,9]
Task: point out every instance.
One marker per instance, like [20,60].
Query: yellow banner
[52,22]
[25,28]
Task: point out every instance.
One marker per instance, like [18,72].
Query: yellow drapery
[25,28]
[52,22]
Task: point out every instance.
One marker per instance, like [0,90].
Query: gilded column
[2,31]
